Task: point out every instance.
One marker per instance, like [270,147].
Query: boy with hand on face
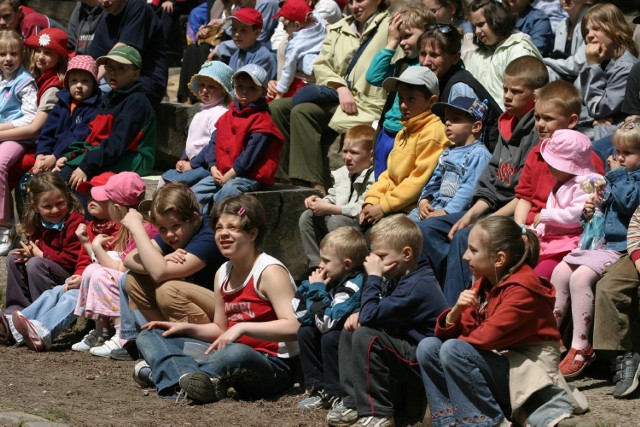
[400,303]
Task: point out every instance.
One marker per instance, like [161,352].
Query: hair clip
[241,211]
[523,228]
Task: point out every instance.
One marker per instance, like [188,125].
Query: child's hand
[374,266]
[595,53]
[393,34]
[272,92]
[132,219]
[72,282]
[353,322]
[536,220]
[320,207]
[183,165]
[231,173]
[424,208]
[463,222]
[612,162]
[44,163]
[101,240]
[434,214]
[318,275]
[309,201]
[371,214]
[35,249]
[172,328]
[347,101]
[82,233]
[217,175]
[77,177]
[179,256]
[59,164]
[167,6]
[228,337]
[589,208]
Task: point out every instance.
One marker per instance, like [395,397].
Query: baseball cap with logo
[417,76]
[123,55]
[256,73]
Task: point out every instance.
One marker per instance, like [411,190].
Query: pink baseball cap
[294,10]
[96,181]
[568,151]
[248,16]
[84,63]
[125,188]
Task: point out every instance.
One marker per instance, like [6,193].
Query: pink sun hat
[125,188]
[568,151]
[83,63]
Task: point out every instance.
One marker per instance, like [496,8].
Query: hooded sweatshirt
[518,310]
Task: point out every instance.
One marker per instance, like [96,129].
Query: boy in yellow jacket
[416,148]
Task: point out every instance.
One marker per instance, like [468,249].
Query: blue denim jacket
[622,199]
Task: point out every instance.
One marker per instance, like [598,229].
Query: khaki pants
[616,308]
[173,300]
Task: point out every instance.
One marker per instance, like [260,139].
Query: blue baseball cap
[472,106]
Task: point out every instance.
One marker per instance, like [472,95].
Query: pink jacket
[560,228]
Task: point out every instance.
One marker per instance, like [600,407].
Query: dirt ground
[80,389]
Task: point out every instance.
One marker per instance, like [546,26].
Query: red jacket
[519,310]
[63,247]
[233,131]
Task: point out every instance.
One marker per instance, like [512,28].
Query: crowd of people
[478,247]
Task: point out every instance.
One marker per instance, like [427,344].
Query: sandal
[570,367]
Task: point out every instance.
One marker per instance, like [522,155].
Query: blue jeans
[250,372]
[208,192]
[381,151]
[464,386]
[54,309]
[130,320]
[445,255]
[190,177]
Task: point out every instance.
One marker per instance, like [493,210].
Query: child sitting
[53,253]
[306,36]
[69,119]
[416,148]
[99,297]
[212,86]
[343,203]
[400,303]
[405,29]
[246,25]
[322,305]
[244,153]
[577,274]
[123,134]
[451,186]
[52,312]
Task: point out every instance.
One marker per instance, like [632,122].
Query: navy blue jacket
[406,308]
[63,127]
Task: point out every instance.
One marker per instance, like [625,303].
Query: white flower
[44,40]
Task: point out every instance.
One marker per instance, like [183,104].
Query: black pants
[379,375]
[319,359]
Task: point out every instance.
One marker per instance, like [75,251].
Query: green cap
[123,55]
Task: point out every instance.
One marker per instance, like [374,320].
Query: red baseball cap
[96,181]
[248,16]
[294,10]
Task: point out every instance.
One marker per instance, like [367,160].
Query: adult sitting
[440,52]
[132,23]
[449,12]
[341,98]
[254,330]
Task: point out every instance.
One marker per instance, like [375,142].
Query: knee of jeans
[452,351]
[304,222]
[428,349]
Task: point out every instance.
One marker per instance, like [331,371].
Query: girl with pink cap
[69,119]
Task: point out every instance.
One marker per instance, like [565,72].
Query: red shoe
[570,367]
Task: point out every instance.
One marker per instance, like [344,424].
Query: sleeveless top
[10,102]
[248,304]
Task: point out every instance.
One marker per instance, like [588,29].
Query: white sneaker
[7,237]
[90,340]
[105,349]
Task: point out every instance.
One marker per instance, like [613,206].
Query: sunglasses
[443,28]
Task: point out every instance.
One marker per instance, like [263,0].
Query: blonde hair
[416,16]
[610,20]
[561,94]
[398,231]
[10,38]
[347,242]
[40,184]
[628,134]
